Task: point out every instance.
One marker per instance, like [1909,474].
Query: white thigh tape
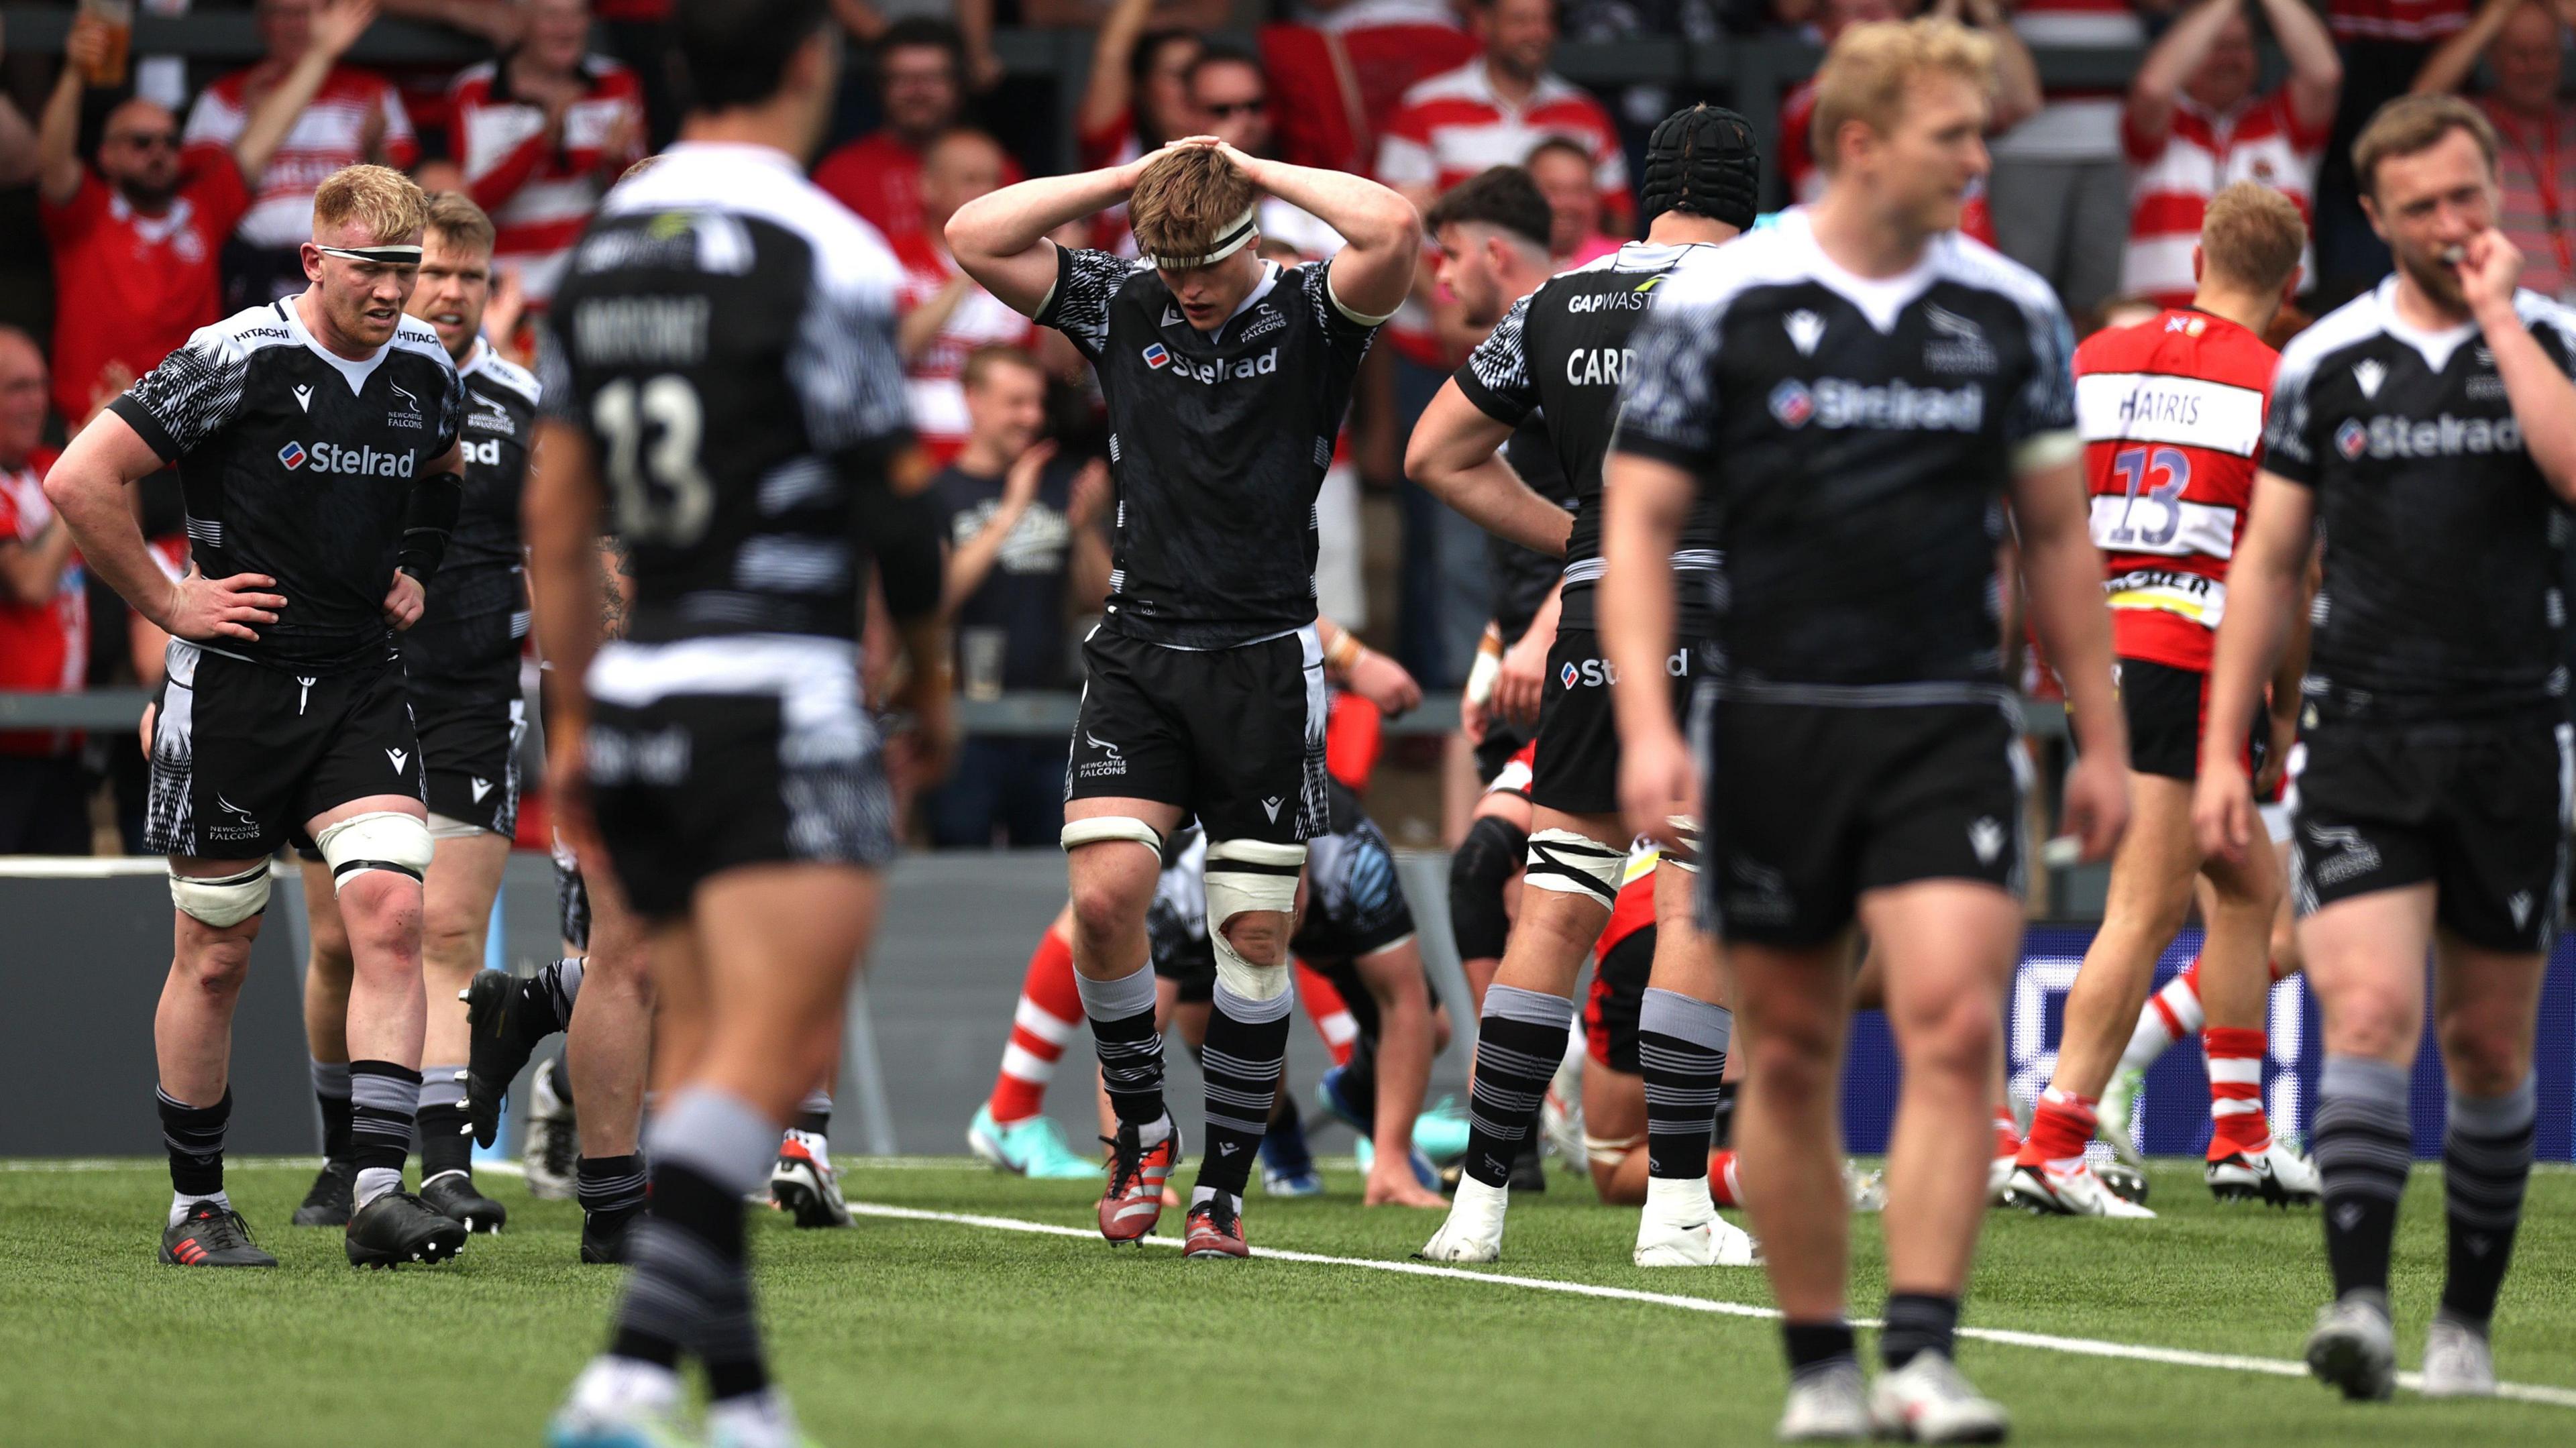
[225,900]
[1111,827]
[1573,864]
[1684,852]
[1245,876]
[379,840]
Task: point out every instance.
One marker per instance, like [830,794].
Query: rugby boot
[453,1194]
[398,1227]
[327,1203]
[212,1235]
[1133,1200]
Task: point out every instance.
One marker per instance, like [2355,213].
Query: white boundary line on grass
[2078,1346]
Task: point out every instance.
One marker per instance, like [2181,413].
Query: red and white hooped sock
[1328,1013]
[1049,1012]
[2059,1127]
[2237,1120]
[1722,1185]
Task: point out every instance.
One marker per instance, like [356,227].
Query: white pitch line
[2077,1346]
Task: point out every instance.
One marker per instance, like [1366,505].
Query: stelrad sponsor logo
[1836,403]
[1593,673]
[2443,436]
[362,462]
[1220,370]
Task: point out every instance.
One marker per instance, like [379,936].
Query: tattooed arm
[616,587]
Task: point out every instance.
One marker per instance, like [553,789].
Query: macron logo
[292,455]
[304,397]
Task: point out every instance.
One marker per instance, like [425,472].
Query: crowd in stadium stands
[161,192]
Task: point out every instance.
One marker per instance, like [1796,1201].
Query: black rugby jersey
[1856,436]
[725,334]
[298,464]
[1523,576]
[1562,350]
[478,605]
[1219,442]
[2443,543]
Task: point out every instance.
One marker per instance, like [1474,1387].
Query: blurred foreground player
[1227,377]
[2172,416]
[1863,391]
[316,439]
[2429,429]
[720,361]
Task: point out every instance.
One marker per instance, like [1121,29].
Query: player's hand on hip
[1658,779]
[1522,681]
[1383,682]
[2097,804]
[2222,811]
[204,608]
[405,600]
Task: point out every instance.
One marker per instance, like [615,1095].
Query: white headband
[397,255]
[1234,239]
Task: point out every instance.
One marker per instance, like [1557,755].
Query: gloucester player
[2172,415]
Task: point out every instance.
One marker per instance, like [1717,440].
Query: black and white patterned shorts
[714,754]
[245,755]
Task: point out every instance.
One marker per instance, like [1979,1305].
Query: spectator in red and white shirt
[2194,124]
[945,316]
[2535,132]
[44,622]
[921,82]
[1491,111]
[137,242]
[1138,98]
[2060,184]
[354,116]
[542,135]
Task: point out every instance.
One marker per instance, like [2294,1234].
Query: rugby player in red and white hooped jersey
[542,134]
[2172,414]
[2194,123]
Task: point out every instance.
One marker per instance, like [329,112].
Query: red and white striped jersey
[2172,416]
[934,381]
[541,194]
[351,108]
[1454,124]
[2172,177]
[2412,22]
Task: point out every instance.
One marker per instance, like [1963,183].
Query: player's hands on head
[2222,810]
[2488,269]
[1384,682]
[1657,780]
[204,608]
[2097,804]
[1522,681]
[405,600]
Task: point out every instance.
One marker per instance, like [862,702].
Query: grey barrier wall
[87,954]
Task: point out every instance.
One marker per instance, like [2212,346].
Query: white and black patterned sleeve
[1668,400]
[189,398]
[1078,306]
[2040,426]
[1348,331]
[1497,375]
[846,370]
[451,412]
[2289,425]
[554,377]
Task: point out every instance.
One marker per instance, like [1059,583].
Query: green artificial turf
[904,1333]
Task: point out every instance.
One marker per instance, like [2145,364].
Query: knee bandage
[1244,876]
[225,900]
[1111,827]
[1477,874]
[1573,864]
[378,840]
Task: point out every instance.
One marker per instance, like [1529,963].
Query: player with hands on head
[1227,377]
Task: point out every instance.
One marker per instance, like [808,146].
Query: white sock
[181,1204]
[1680,1197]
[614,1383]
[761,1418]
[1155,1130]
[1199,1195]
[375,1181]
[815,1144]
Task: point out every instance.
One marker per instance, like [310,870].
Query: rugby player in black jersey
[461,667]
[1562,351]
[2428,428]
[317,445]
[1860,391]
[720,361]
[1227,377]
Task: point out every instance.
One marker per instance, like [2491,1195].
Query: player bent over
[2172,415]
[316,440]
[1227,377]
[2429,429]
[1863,389]
[461,663]
[721,361]
[1557,352]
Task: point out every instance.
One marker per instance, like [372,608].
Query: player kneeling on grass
[1226,378]
[1871,398]
[2173,408]
[316,440]
[721,357]
[2429,428]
